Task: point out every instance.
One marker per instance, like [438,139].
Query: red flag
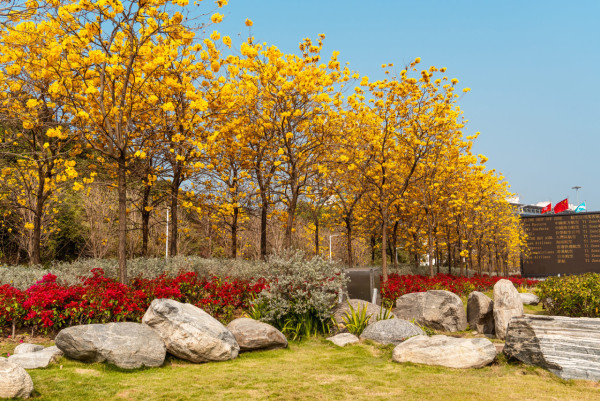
[547,208]
[561,206]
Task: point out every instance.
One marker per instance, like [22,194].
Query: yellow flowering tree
[38,148]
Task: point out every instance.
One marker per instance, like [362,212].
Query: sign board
[363,281]
[561,244]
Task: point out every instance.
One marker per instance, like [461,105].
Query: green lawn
[313,369]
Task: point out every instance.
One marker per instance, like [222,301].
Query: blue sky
[532,67]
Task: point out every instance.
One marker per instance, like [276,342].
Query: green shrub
[301,294]
[575,296]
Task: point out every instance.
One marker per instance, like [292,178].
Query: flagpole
[576,188]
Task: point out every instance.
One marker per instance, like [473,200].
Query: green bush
[575,296]
[301,294]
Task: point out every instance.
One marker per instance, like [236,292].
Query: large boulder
[190,333]
[27,347]
[480,313]
[372,310]
[529,299]
[252,335]
[507,304]
[343,339]
[437,309]
[127,345]
[36,359]
[15,382]
[568,347]
[460,353]
[391,331]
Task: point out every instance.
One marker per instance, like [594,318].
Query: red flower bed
[48,305]
[397,285]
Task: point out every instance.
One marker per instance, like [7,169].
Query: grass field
[312,369]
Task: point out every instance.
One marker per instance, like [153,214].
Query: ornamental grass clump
[356,320]
[300,295]
[574,296]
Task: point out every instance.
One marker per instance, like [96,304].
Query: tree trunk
[145,215]
[122,192]
[37,234]
[430,254]
[234,227]
[395,245]
[372,249]
[173,227]
[449,256]
[291,210]
[316,234]
[349,242]
[36,257]
[263,227]
[384,268]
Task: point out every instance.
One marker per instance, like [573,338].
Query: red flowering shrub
[48,305]
[11,305]
[45,303]
[397,285]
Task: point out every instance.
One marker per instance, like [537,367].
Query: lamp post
[577,188]
[330,237]
[167,241]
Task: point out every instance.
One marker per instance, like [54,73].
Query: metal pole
[576,188]
[330,237]
[167,241]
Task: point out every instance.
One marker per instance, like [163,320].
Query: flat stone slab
[568,347]
[15,382]
[392,331]
[437,309]
[127,345]
[27,347]
[253,335]
[343,339]
[450,352]
[190,333]
[529,299]
[36,359]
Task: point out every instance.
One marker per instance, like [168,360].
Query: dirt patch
[127,394]
[89,372]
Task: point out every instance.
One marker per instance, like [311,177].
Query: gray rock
[26,347]
[480,313]
[343,339]
[374,311]
[15,382]
[190,333]
[437,309]
[127,345]
[391,331]
[36,359]
[507,303]
[460,353]
[252,335]
[529,299]
[568,347]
